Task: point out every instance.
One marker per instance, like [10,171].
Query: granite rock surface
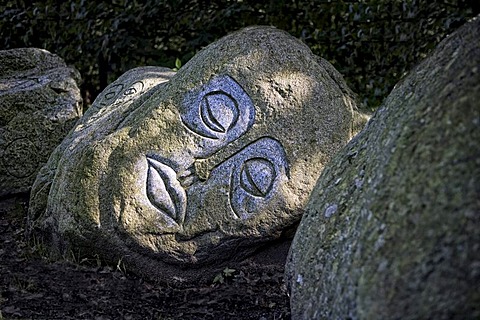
[179,175]
[391,229]
[39,103]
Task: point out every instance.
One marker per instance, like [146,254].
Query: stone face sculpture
[392,227]
[182,174]
[39,103]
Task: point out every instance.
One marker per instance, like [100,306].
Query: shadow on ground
[31,287]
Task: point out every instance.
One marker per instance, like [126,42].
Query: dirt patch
[31,287]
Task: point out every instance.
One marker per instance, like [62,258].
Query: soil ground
[31,287]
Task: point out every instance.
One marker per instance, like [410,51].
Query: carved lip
[164,191]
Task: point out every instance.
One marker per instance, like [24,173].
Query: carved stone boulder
[392,227]
[39,103]
[179,175]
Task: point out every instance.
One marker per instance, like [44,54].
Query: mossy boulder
[39,103]
[180,175]
[392,227]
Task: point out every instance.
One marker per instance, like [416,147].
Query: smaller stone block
[39,103]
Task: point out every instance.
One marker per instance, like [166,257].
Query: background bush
[371,42]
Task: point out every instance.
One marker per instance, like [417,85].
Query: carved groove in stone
[220,110]
[257,176]
[164,191]
[18,158]
[257,171]
[113,91]
[117,95]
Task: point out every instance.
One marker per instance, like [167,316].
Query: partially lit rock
[39,103]
[392,227]
[180,178]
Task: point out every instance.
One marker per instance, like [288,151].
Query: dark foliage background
[371,42]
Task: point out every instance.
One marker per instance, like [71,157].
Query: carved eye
[113,95]
[257,171]
[113,92]
[129,91]
[257,176]
[134,88]
[219,111]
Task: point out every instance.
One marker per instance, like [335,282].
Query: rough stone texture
[392,227]
[180,178]
[39,103]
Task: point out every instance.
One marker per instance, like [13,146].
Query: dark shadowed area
[371,42]
[31,287]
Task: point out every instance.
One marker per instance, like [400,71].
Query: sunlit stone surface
[182,174]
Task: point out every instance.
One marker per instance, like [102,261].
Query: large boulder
[39,103]
[392,227]
[179,175]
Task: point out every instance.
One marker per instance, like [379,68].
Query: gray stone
[39,103]
[180,178]
[392,227]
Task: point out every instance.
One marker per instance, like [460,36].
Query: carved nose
[165,192]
